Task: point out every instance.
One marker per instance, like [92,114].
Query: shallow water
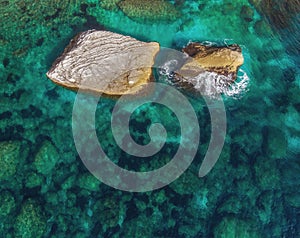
[46,191]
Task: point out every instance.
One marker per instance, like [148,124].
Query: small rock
[89,182]
[262,28]
[275,143]
[30,222]
[46,158]
[253,139]
[52,198]
[232,205]
[151,10]
[159,196]
[68,183]
[292,120]
[137,228]
[232,227]
[108,212]
[34,180]
[293,199]
[267,173]
[9,159]
[209,69]
[247,13]
[290,171]
[110,5]
[7,204]
[289,75]
[265,204]
[221,60]
[187,183]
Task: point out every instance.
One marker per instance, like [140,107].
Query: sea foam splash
[208,83]
[239,86]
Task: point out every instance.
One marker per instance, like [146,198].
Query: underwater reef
[252,191]
[157,10]
[279,13]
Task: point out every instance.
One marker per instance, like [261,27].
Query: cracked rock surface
[105,62]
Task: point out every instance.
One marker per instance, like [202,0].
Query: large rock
[105,62]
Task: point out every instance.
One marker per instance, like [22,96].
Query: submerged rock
[105,62]
[275,143]
[9,159]
[34,180]
[110,5]
[231,227]
[151,10]
[262,28]
[46,158]
[89,182]
[293,199]
[247,13]
[107,211]
[31,221]
[267,174]
[7,204]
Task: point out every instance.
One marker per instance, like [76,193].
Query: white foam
[239,86]
[210,83]
[168,68]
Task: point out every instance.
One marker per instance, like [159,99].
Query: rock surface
[221,60]
[113,64]
[105,62]
[209,69]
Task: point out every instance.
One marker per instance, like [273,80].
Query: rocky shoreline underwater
[252,191]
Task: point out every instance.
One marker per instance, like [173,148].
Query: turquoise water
[45,189]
